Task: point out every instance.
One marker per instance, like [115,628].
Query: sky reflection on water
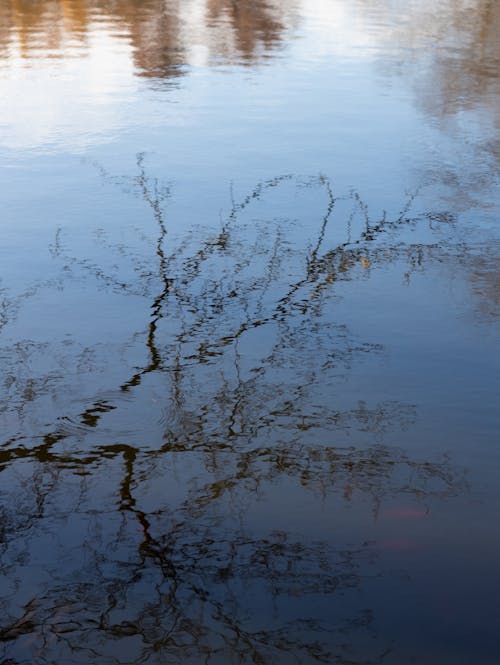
[249,326]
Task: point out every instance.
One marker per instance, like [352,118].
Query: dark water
[249,298]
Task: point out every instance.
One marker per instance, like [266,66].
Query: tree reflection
[215,298]
[177,584]
[161,33]
[138,551]
[118,546]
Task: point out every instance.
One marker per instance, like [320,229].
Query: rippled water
[249,298]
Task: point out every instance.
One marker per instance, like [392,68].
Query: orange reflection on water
[163,35]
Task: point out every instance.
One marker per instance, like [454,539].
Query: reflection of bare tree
[214,300]
[102,563]
[176,584]
[211,301]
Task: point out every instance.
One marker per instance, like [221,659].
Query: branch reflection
[155,551]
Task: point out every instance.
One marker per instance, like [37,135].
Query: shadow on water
[137,550]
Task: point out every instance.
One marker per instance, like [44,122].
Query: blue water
[249,297]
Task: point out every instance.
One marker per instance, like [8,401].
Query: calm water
[249,332]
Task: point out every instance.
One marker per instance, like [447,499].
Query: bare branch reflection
[176,583]
[128,550]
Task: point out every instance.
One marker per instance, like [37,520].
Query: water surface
[249,330]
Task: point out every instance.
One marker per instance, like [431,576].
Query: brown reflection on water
[41,27]
[250,24]
[460,39]
[162,33]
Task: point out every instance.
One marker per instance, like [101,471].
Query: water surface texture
[249,332]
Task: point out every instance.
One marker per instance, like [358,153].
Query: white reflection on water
[71,105]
